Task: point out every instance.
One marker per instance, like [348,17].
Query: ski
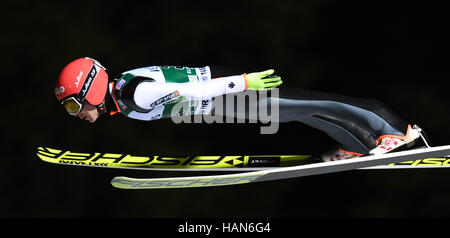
[204,163]
[189,163]
[279,173]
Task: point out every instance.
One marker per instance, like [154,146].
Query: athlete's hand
[263,80]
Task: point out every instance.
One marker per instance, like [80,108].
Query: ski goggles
[72,105]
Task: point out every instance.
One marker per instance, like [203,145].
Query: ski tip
[121,182]
[47,154]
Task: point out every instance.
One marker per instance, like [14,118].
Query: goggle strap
[87,83]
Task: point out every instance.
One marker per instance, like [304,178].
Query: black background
[397,53]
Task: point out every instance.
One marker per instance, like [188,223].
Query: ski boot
[385,144]
[388,143]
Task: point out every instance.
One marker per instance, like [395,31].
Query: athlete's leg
[354,123]
[354,126]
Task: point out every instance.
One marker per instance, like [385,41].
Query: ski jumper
[151,93]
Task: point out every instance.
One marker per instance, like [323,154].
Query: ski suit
[154,92]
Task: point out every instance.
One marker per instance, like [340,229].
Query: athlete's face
[88,113]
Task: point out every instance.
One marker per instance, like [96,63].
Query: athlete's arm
[149,92]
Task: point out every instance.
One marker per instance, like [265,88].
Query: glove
[262,80]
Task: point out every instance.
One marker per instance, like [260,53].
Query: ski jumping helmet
[82,79]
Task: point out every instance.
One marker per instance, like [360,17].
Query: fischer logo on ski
[162,162]
[126,183]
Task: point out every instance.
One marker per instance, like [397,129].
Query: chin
[90,119]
